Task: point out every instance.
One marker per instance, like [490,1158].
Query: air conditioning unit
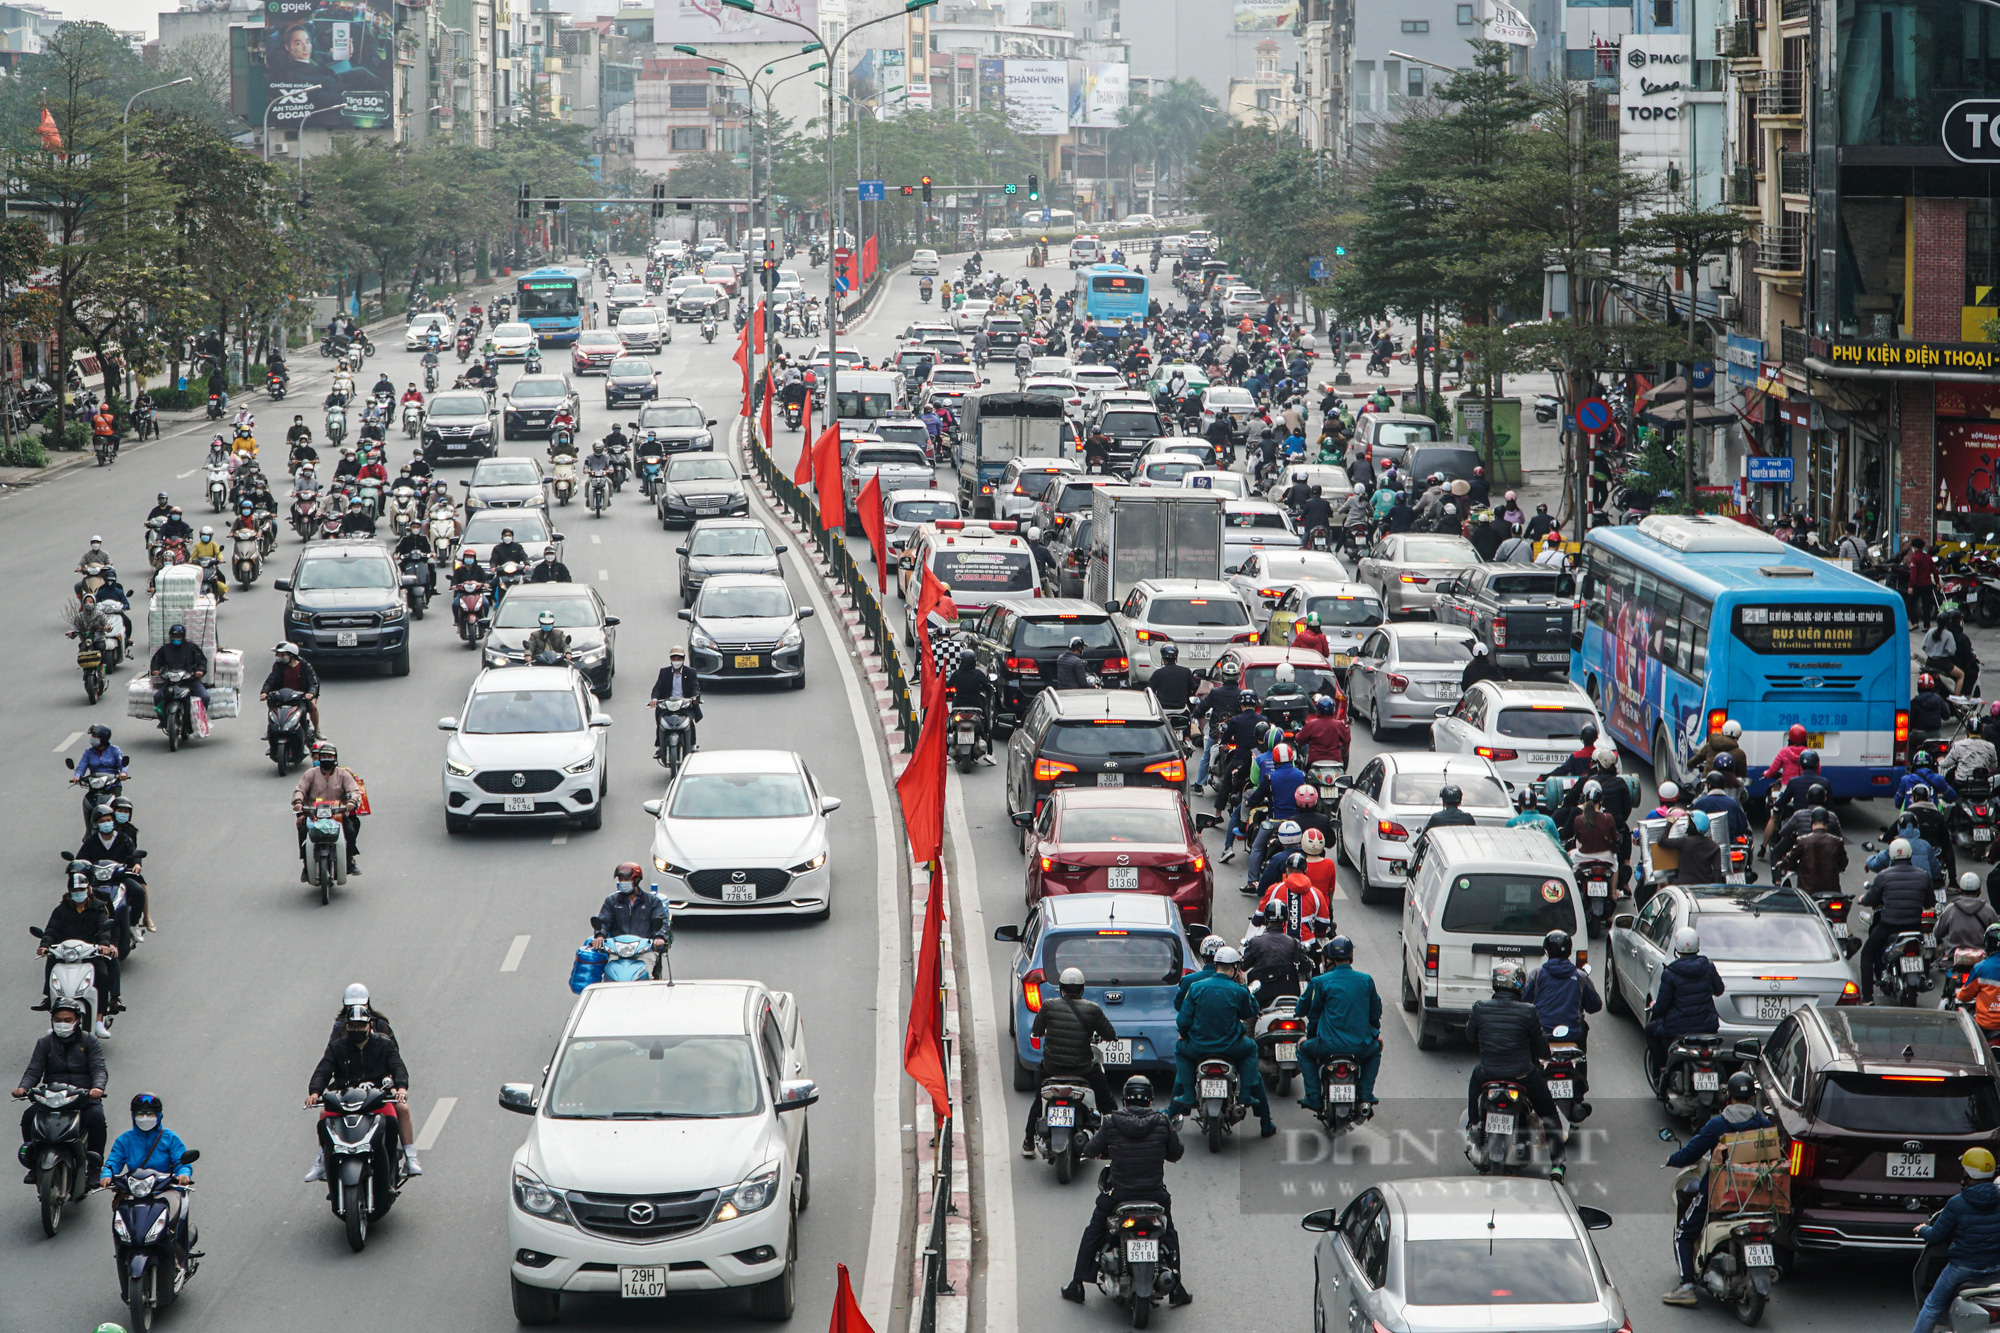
[1727,307]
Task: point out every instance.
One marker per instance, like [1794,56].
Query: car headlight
[804,866]
[395,613]
[792,638]
[532,1196]
[592,659]
[581,765]
[298,617]
[458,770]
[705,439]
[666,867]
[698,639]
[751,1196]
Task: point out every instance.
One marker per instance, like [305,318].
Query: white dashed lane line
[427,1137]
[514,951]
[67,741]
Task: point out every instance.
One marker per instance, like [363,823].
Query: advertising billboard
[1038,96]
[343,53]
[1652,90]
[1265,15]
[693,22]
[1097,93]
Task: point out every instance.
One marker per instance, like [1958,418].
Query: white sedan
[422,326]
[1233,484]
[1526,727]
[1269,574]
[968,317]
[1383,809]
[511,342]
[1051,386]
[743,833]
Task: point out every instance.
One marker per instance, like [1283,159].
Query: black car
[1089,738]
[458,424]
[1130,428]
[532,404]
[1020,642]
[630,379]
[677,423]
[699,300]
[1070,545]
[1067,497]
[1523,613]
[344,603]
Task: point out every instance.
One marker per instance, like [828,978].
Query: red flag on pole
[826,476]
[932,599]
[806,418]
[869,502]
[847,1317]
[757,329]
[764,419]
[920,791]
[742,359]
[923,1039]
[51,136]
[802,474]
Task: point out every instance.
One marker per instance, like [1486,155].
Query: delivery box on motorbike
[1748,1173]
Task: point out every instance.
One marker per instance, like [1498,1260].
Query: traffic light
[552,205]
[1034,187]
[909,190]
[659,201]
[927,189]
[1010,188]
[769,276]
[526,210]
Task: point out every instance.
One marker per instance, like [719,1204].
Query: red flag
[932,598]
[51,136]
[920,791]
[765,419]
[923,1039]
[742,359]
[757,328]
[826,475]
[806,418]
[868,260]
[869,502]
[847,1316]
[802,473]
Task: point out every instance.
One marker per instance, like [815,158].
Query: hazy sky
[125,15]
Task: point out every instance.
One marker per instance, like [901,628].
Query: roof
[1186,587]
[663,1008]
[524,678]
[1048,608]
[529,592]
[1533,691]
[1414,629]
[1738,898]
[1117,798]
[1266,654]
[1434,1206]
[1105,909]
[1718,556]
[1912,1039]
[732,761]
[1335,588]
[746,580]
[1478,842]
[1126,705]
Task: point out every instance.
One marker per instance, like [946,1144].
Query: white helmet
[1732,729]
[1687,940]
[1605,755]
[1071,976]
[1899,850]
[1228,957]
[1286,672]
[353,995]
[1968,883]
[1669,792]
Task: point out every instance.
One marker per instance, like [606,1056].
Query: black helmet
[1809,760]
[1716,780]
[1993,938]
[1138,1091]
[1556,944]
[1742,1087]
[1169,652]
[1450,795]
[100,732]
[1076,643]
[1818,794]
[145,1103]
[1340,949]
[1588,736]
[1296,862]
[1271,913]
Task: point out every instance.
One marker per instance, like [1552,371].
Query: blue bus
[1111,294]
[555,302]
[1693,621]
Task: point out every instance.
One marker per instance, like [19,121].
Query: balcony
[1781,250]
[1794,173]
[1782,93]
[1736,41]
[1743,187]
[1751,12]
[1794,11]
[1793,344]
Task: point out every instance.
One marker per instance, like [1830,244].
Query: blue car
[1132,952]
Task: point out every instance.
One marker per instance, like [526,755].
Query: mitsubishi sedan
[746,627]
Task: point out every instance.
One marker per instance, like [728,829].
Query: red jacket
[1786,766]
[1326,739]
[1313,899]
[1305,636]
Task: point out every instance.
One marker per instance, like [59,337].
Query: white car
[903,512]
[1233,484]
[415,337]
[743,833]
[1383,809]
[1266,576]
[1200,617]
[1057,366]
[1138,220]
[644,329]
[967,317]
[1164,469]
[1055,386]
[1526,727]
[999,235]
[530,744]
[511,341]
[1094,380]
[915,334]
[924,263]
[1240,301]
[1347,613]
[1024,481]
[667,1151]
[1249,526]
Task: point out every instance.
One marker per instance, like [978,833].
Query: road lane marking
[434,1122]
[596,540]
[183,476]
[67,741]
[559,840]
[604,576]
[512,962]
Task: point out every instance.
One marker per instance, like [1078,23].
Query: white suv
[667,1150]
[529,745]
[1200,617]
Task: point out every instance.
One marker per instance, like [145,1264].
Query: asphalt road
[1238,1210]
[466,942]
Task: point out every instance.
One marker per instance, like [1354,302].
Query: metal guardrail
[936,1281]
[1782,92]
[1781,249]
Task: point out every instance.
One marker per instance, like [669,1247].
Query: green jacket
[1214,1012]
[1342,1010]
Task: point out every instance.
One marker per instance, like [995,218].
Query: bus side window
[1667,619]
[1698,647]
[1590,586]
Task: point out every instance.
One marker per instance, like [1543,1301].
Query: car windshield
[503,712]
[952,375]
[670,414]
[730,541]
[1524,1270]
[744,602]
[345,572]
[1433,650]
[1262,679]
[549,300]
[1172,470]
[1529,585]
[1543,722]
[543,388]
[1036,482]
[642,317]
[700,291]
[1003,324]
[1421,788]
[910,433]
[1148,825]
[633,367]
[1234,399]
[1406,432]
[628,291]
[1346,611]
[655,1078]
[701,469]
[1120,959]
[571,611]
[740,796]
[1783,930]
[1049,389]
[470,405]
[1097,738]
[1046,635]
[487,525]
[923,511]
[513,331]
[506,472]
[1196,612]
[984,571]
[1871,1104]
[905,457]
[871,405]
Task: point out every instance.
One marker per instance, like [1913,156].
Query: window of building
[690,139]
[1465,16]
[1364,85]
[687,96]
[1424,25]
[1392,82]
[1416,85]
[1663,13]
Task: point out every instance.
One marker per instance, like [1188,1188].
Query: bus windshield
[547,300]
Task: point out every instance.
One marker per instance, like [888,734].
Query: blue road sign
[870,192]
[1316,269]
[840,283]
[1569,421]
[1704,374]
[1593,415]
[1768,471]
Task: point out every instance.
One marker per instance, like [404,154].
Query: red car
[1122,840]
[594,350]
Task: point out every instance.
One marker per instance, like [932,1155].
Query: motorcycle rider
[549,569]
[1820,856]
[1982,987]
[1968,756]
[1684,1005]
[176,526]
[1306,634]
[1449,813]
[83,915]
[417,542]
[1508,1034]
[1480,666]
[290,671]
[66,1053]
[1343,1016]
[631,909]
[1171,683]
[1700,858]
[326,780]
[150,1146]
[1138,1142]
[1962,922]
[177,654]
[1716,802]
[677,680]
[360,1053]
[101,756]
[1276,961]
[1739,1115]
[1899,896]
[470,576]
[506,551]
[1072,671]
[547,637]
[1562,994]
[1211,1028]
[357,521]
[970,688]
[1325,735]
[1069,1027]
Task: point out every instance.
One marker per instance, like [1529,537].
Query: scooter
[176,712]
[1546,407]
[417,580]
[708,328]
[274,385]
[90,659]
[1691,1086]
[1597,876]
[73,979]
[563,481]
[1066,1121]
[326,866]
[215,407]
[336,424]
[964,733]
[288,734]
[218,486]
[621,958]
[1567,1073]
[1904,972]
[404,514]
[56,1152]
[365,1167]
[1735,1256]
[651,468]
[1218,1108]
[154,1259]
[471,609]
[597,494]
[673,733]
[1501,1139]
[246,559]
[305,514]
[413,420]
[1134,1268]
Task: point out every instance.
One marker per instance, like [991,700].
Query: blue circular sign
[1593,415]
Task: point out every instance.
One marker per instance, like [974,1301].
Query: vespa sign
[1971,131]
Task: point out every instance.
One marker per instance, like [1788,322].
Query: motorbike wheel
[53,1187]
[357,1225]
[283,759]
[173,729]
[1065,1166]
[1748,1308]
[1215,1135]
[1988,608]
[138,1299]
[325,876]
[416,605]
[93,685]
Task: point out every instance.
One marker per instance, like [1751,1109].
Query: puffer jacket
[1983,989]
[1899,896]
[1138,1144]
[79,1061]
[1970,1226]
[1066,1027]
[1562,994]
[1509,1036]
[1685,1003]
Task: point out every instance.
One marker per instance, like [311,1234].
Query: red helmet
[628,872]
[1926,681]
[1281,754]
[1796,736]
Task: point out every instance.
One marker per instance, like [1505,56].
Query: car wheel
[799,681]
[534,1305]
[1025,1079]
[1614,995]
[594,820]
[399,665]
[1411,1004]
[1427,1037]
[804,1172]
[773,1301]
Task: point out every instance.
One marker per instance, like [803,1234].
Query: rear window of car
[1096,739]
[1036,483]
[1129,424]
[1544,722]
[1502,904]
[904,457]
[1434,651]
[1076,498]
[1252,518]
[1422,788]
[1789,934]
[1349,612]
[1115,960]
[1128,825]
[1172,470]
[1196,612]
[1870,1104]
[1527,1270]
[1310,680]
[1406,432]
[984,571]
[1044,635]
[1530,585]
[1454,462]
[923,511]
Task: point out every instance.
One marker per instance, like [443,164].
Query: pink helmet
[1306,797]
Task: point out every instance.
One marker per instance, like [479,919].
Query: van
[1477,895]
[1084,250]
[866,397]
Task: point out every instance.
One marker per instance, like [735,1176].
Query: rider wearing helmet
[1287,841]
[547,637]
[1723,740]
[178,653]
[1739,1115]
[1072,670]
[1784,767]
[326,780]
[1962,922]
[1325,735]
[1982,987]
[1215,710]
[1306,634]
[1922,773]
[1278,774]
[1582,758]
[1273,957]
[632,909]
[1209,946]
[1068,1027]
[1900,895]
[1508,1034]
[1969,1226]
[1480,666]
[150,1146]
[1721,807]
[1211,1024]
[1972,758]
[1343,1016]
[1684,1005]
[1561,991]
[290,671]
[1171,683]
[69,1054]
[1138,1142]
[1449,813]
[1819,855]
[361,1053]
[1929,708]
[1700,859]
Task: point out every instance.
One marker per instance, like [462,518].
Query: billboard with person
[328,66]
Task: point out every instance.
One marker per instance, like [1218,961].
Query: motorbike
[1973,820]
[145,423]
[336,424]
[472,609]
[621,464]
[1066,1122]
[246,557]
[1903,975]
[324,836]
[673,727]
[1598,877]
[176,713]
[964,733]
[274,385]
[1546,407]
[90,659]
[597,493]
[1502,1138]
[73,979]
[651,469]
[417,581]
[708,328]
[794,412]
[155,1258]
[288,732]
[1957,971]
[1568,1076]
[215,407]
[1339,1088]
[305,514]
[430,378]
[404,513]
[365,1168]
[1691,1085]
[413,420]
[563,480]
[106,447]
[98,789]
[1218,1108]
[1133,1266]
[370,491]
[622,958]
[218,486]
[924,290]
[442,528]
[57,1155]
[1735,1256]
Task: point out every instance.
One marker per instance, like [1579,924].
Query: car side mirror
[518,1098]
[828,804]
[1441,713]
[686,615]
[1748,1048]
[1232,569]
[806,613]
[779,550]
[611,620]
[1025,819]
[447,724]
[1343,783]
[1325,1219]
[600,720]
[652,808]
[1594,1219]
[1624,921]
[282,585]
[555,536]
[1850,946]
[682,550]
[795,1094]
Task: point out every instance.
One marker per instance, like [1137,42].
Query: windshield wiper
[661,1115]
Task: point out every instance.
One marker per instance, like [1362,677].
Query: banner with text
[1038,96]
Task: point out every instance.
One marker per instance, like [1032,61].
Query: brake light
[1152,636]
[1391,830]
[1117,664]
[1397,684]
[1490,752]
[1413,578]
[1047,770]
[1048,864]
[1244,638]
[1024,664]
[1912,1078]
[1431,959]
[1836,907]
[1902,737]
[1499,632]
[1020,490]
[1031,991]
[1271,592]
[1287,1025]
[1716,717]
[1173,770]
[1804,1159]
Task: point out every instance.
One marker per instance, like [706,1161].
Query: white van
[1084,250]
[1476,896]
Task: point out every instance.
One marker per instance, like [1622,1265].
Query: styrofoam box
[139,698]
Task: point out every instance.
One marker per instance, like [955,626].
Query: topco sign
[1971,131]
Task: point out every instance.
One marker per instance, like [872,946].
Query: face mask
[358,1036]
[64,1029]
[145,1124]
[122,818]
[105,826]
[79,895]
[326,766]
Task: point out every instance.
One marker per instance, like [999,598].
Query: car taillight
[1273,593]
[1431,960]
[1117,664]
[1490,752]
[1499,632]
[1804,1158]
[1047,770]
[1031,991]
[1413,578]
[1020,490]
[1151,636]
[1397,684]
[1244,638]
[1391,830]
[1048,864]
[1027,664]
[1172,770]
[1902,737]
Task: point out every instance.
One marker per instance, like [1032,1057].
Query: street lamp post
[296,95]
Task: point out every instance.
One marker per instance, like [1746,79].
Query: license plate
[1286,1052]
[1760,1256]
[1111,780]
[1706,1080]
[1912,1166]
[1841,930]
[1909,962]
[1499,1124]
[520,805]
[1060,1117]
[1343,659]
[1596,888]
[1816,740]
[1552,657]
[708,509]
[1122,877]
[1982,835]
[1117,1052]
[747,661]
[1773,1007]
[642,1283]
[1214,1087]
[346,638]
[1142,1251]
[1342,1092]
[1562,1087]
[739,893]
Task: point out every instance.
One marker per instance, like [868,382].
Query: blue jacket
[1187,981]
[1213,1014]
[1716,803]
[1342,1011]
[1922,855]
[1970,1224]
[1535,819]
[1562,994]
[1926,778]
[1685,1002]
[107,760]
[1711,1134]
[158,1151]
[1284,781]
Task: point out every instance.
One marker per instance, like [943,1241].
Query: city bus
[1111,294]
[1690,622]
[555,302]
[1059,226]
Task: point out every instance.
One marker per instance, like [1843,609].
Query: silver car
[1405,568]
[747,627]
[508,482]
[725,546]
[1452,1253]
[1402,673]
[1774,949]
